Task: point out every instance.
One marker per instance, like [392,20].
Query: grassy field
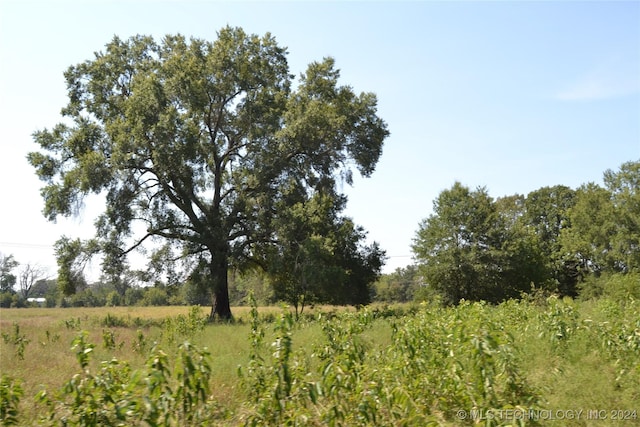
[554,362]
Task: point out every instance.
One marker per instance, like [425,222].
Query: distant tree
[44,288]
[6,298]
[475,248]
[133,296]
[7,278]
[254,281]
[454,246]
[155,296]
[48,289]
[29,275]
[399,286]
[196,142]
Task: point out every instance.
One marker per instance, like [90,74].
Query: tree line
[580,242]
[554,239]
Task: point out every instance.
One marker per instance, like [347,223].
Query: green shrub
[113,299]
[18,340]
[116,395]
[617,286]
[132,296]
[155,297]
[10,394]
[6,298]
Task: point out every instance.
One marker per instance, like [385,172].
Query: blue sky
[513,96]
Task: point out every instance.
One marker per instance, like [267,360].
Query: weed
[73,323]
[182,326]
[140,343]
[108,339]
[18,340]
[10,394]
[111,321]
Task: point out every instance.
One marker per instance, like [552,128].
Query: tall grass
[401,365]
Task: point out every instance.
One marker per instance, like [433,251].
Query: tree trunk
[220,309]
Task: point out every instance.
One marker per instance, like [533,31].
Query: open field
[555,362]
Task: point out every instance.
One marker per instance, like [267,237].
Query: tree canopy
[605,223]
[7,278]
[474,247]
[201,144]
[321,258]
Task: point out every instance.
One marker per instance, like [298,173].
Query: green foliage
[202,143]
[593,227]
[87,298]
[555,239]
[116,395]
[617,286]
[182,326]
[72,257]
[132,296]
[438,362]
[10,393]
[108,339]
[469,249]
[624,186]
[155,296]
[559,321]
[322,259]
[392,365]
[251,281]
[168,404]
[113,299]
[18,340]
[546,212]
[5,299]
[403,285]
[7,279]
[605,224]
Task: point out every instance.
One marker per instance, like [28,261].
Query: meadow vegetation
[539,360]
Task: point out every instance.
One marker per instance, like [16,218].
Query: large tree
[475,248]
[454,245]
[197,142]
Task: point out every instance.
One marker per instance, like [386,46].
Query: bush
[133,296]
[192,294]
[10,394]
[155,296]
[113,299]
[157,395]
[5,299]
[18,302]
[617,286]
